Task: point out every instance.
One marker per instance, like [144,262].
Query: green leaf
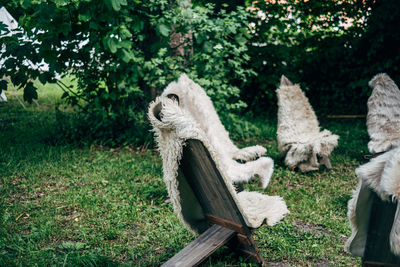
[163,29]
[3,85]
[125,44]
[138,25]
[111,44]
[207,46]
[30,92]
[64,95]
[115,4]
[84,17]
[93,25]
[240,39]
[124,32]
[26,4]
[19,79]
[127,56]
[43,78]
[245,32]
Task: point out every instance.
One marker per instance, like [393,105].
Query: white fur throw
[382,175]
[176,126]
[383,118]
[194,99]
[299,135]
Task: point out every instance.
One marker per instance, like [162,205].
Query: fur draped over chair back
[193,98]
[382,173]
[172,128]
[299,135]
[383,120]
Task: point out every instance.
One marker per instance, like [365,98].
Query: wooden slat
[377,248]
[197,251]
[216,200]
[346,116]
[226,223]
[207,183]
[243,239]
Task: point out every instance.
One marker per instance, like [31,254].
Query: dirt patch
[315,263]
[315,229]
[320,263]
[277,264]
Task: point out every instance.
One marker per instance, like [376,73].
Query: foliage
[97,206]
[333,48]
[120,53]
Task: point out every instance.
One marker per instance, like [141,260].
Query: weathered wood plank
[377,248]
[216,200]
[207,183]
[245,245]
[202,247]
[243,239]
[226,223]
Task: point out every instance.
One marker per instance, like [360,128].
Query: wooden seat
[226,223]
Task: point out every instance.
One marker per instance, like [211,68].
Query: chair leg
[202,247]
[245,245]
[325,161]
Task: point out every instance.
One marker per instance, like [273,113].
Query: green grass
[65,205]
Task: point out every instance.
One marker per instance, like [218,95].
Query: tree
[120,52]
[332,47]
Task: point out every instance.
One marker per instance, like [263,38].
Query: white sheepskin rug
[176,125]
[383,118]
[299,135]
[193,98]
[382,173]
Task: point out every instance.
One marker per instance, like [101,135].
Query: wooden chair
[226,224]
[377,249]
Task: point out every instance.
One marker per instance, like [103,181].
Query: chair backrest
[207,184]
[209,187]
[296,117]
[377,247]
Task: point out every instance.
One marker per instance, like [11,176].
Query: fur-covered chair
[172,129]
[299,135]
[379,179]
[193,98]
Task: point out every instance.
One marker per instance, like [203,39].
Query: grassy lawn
[89,206]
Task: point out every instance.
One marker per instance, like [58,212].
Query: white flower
[218,46]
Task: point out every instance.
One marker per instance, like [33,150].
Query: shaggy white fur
[382,173]
[299,135]
[359,207]
[175,127]
[383,118]
[194,99]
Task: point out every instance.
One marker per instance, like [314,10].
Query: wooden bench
[226,224]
